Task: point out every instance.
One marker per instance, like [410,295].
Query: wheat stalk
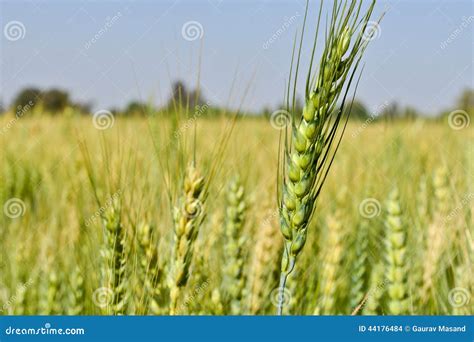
[49,293]
[396,250]
[149,270]
[329,278]
[359,269]
[378,282]
[264,273]
[76,294]
[115,260]
[309,151]
[233,281]
[188,216]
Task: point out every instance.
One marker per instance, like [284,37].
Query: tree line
[58,101]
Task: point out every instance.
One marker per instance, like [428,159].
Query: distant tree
[266,111]
[392,111]
[179,94]
[138,108]
[466,101]
[115,111]
[410,113]
[358,110]
[196,101]
[82,107]
[55,100]
[182,97]
[26,100]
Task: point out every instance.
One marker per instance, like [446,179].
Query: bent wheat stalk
[310,146]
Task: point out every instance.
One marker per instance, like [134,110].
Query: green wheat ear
[49,293]
[76,293]
[149,271]
[115,261]
[264,274]
[188,216]
[377,283]
[233,282]
[359,271]
[395,257]
[310,146]
[329,278]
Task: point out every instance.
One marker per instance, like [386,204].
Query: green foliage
[26,100]
[55,100]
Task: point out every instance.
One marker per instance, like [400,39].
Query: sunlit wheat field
[88,219]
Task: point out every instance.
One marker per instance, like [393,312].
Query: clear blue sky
[412,60]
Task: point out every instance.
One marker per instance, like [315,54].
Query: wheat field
[89,219]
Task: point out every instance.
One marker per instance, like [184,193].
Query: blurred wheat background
[52,231]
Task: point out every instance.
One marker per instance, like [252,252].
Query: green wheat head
[311,144]
[233,282]
[188,216]
[396,257]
